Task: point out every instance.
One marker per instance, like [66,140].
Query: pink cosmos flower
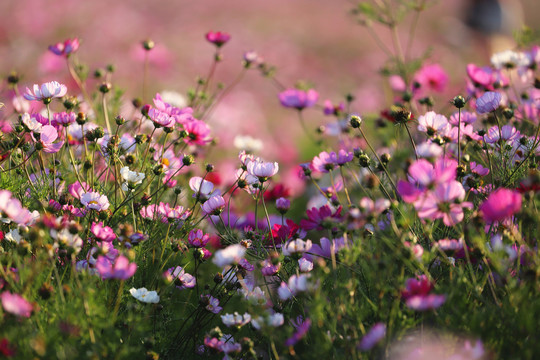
[218,38]
[432,123]
[324,162]
[432,77]
[298,99]
[197,238]
[15,304]
[445,202]
[12,208]
[214,205]
[466,117]
[269,269]
[500,205]
[488,102]
[46,92]
[321,218]
[261,169]
[47,136]
[103,233]
[198,132]
[373,336]
[301,331]
[331,109]
[66,48]
[161,119]
[64,118]
[121,268]
[507,133]
[95,201]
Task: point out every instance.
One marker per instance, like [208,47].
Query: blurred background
[317,41]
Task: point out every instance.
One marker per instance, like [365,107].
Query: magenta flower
[500,205]
[197,238]
[46,92]
[432,77]
[218,38]
[47,136]
[417,294]
[488,102]
[301,331]
[374,335]
[321,218]
[103,233]
[214,205]
[161,119]
[331,109]
[298,99]
[15,304]
[64,118]
[261,169]
[66,48]
[121,268]
[198,132]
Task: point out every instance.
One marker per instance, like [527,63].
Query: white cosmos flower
[144,295]
[247,143]
[131,178]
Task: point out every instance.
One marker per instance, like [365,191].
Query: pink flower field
[270,180]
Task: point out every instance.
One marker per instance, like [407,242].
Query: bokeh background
[317,41]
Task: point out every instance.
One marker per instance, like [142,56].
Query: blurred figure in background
[493,23]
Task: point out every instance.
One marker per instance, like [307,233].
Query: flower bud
[188,160]
[355,121]
[119,120]
[459,102]
[105,87]
[148,44]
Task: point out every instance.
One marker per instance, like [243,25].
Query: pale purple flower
[95,201]
[298,99]
[269,269]
[64,118]
[374,335]
[46,92]
[261,169]
[295,285]
[488,102]
[213,304]
[507,133]
[15,304]
[297,246]
[182,280]
[214,205]
[428,150]
[305,265]
[235,319]
[466,117]
[272,320]
[232,254]
[283,205]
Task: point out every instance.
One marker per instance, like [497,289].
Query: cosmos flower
[65,48]
[46,92]
[144,295]
[218,38]
[298,99]
[15,304]
[95,201]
